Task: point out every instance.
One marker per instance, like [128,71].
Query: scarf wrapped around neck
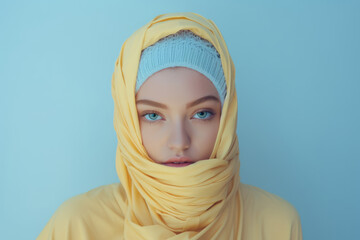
[200,201]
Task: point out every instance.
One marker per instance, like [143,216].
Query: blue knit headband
[183,49]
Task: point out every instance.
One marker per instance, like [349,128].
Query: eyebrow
[196,102]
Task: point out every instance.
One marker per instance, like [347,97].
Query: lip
[178,162]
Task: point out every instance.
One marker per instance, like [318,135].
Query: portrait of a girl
[177,158]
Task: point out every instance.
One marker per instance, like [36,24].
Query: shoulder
[266,203]
[108,196]
[271,213]
[88,214]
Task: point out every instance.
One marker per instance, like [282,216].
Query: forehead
[179,84]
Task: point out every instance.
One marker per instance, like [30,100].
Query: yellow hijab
[201,200]
[153,201]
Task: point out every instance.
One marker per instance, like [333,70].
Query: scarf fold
[200,201]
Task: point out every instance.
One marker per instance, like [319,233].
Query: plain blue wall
[298,73]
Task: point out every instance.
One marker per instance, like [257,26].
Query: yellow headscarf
[153,201]
[201,200]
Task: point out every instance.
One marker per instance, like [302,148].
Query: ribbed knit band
[183,49]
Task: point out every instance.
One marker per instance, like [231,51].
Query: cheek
[204,138]
[150,139]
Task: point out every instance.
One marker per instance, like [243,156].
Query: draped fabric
[201,200]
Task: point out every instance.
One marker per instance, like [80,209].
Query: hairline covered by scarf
[201,200]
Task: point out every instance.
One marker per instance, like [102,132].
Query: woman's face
[179,114]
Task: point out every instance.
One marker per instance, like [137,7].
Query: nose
[179,138]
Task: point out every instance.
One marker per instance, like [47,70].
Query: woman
[177,157]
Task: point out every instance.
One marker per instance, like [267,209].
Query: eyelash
[154,121]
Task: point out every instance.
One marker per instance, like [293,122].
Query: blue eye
[152,116]
[204,114]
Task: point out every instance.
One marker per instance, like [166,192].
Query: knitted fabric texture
[184,49]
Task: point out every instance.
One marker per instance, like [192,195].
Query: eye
[152,116]
[203,115]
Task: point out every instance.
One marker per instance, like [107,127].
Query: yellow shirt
[98,215]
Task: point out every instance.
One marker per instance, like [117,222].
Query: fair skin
[179,114]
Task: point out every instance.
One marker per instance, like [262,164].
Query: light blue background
[297,70]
